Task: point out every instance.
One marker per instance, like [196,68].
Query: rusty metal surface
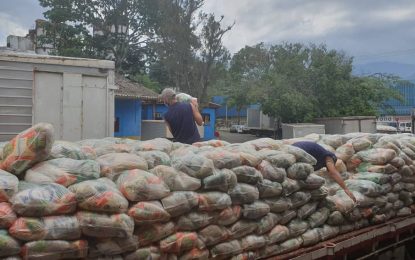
[351,241]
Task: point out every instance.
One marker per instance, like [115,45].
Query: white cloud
[275,21]
[358,27]
[395,14]
[10,27]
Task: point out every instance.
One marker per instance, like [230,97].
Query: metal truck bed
[376,239]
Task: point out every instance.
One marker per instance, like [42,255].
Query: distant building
[139,112]
[407,90]
[227,115]
[32,41]
[128,107]
[227,111]
[19,43]
[36,35]
[115,30]
[401,120]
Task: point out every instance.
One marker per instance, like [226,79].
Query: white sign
[386,119]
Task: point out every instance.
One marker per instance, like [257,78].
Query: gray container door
[268,122]
[254,118]
[96,107]
[350,126]
[16,83]
[47,97]
[368,125]
[76,105]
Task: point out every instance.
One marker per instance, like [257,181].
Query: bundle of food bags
[117,198]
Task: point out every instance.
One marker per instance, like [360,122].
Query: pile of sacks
[123,199]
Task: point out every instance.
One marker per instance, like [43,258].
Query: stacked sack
[122,199]
[37,221]
[380,174]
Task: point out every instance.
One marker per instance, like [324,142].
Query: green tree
[189,49]
[372,94]
[309,81]
[246,70]
[176,63]
[251,62]
[67,40]
[108,29]
[213,53]
[146,81]
[238,98]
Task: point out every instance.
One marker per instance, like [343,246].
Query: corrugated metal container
[151,129]
[75,95]
[257,120]
[344,125]
[300,130]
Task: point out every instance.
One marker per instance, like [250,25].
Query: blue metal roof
[224,110]
[408,92]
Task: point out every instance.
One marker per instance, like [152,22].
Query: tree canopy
[107,29]
[174,43]
[297,82]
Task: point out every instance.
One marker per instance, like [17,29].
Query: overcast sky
[369,30]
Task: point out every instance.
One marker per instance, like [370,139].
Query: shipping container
[260,124]
[75,95]
[301,130]
[351,124]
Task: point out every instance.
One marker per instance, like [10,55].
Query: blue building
[128,107]
[401,119]
[407,90]
[134,104]
[154,110]
[230,115]
[225,111]
[402,109]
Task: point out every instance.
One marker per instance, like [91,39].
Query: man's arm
[331,168]
[196,114]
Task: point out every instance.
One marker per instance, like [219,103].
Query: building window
[206,119]
[117,125]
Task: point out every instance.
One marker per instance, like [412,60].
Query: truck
[260,124]
[402,126]
[395,124]
[75,95]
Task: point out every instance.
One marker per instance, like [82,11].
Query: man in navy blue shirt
[325,159]
[181,118]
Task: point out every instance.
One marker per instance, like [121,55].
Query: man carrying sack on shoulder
[181,118]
